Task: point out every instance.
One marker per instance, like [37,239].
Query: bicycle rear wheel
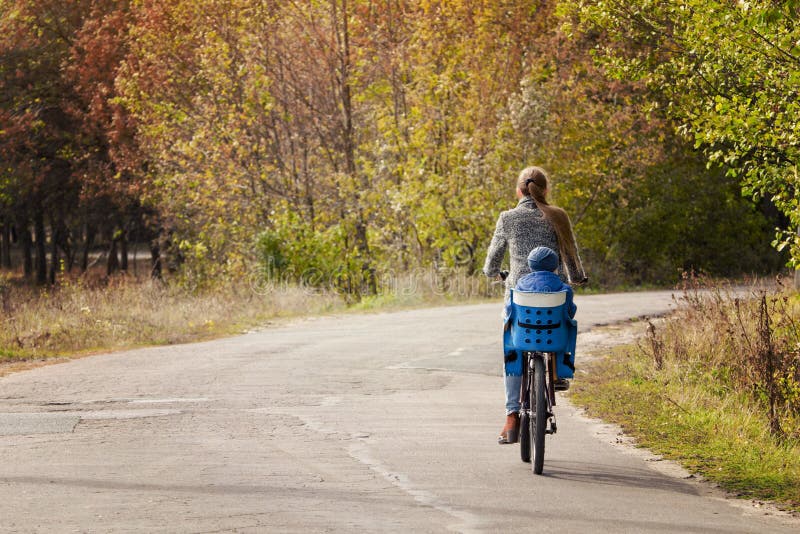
[538,403]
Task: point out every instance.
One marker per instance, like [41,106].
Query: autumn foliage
[340,139]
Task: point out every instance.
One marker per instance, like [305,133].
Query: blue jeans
[513,385]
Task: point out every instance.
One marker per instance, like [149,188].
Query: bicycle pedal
[561,385]
[552,427]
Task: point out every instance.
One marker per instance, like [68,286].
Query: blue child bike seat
[540,322]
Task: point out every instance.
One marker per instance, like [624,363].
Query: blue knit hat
[543,259]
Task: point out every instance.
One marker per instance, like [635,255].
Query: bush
[740,344]
[293,252]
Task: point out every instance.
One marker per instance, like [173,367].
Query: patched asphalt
[379,422]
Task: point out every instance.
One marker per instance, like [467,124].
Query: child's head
[543,259]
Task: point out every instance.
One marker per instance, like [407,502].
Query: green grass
[681,413]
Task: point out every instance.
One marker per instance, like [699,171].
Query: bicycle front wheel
[538,402]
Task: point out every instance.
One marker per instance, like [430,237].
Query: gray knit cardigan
[520,230]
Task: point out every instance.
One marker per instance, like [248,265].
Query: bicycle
[543,335]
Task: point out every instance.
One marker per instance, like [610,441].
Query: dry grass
[715,386]
[737,342]
[77,317]
[85,315]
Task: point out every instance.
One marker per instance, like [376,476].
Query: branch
[775,46]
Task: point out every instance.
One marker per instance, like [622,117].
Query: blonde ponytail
[533,182]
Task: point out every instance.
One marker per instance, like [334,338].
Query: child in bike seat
[543,262]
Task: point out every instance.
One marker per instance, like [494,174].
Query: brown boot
[510,432]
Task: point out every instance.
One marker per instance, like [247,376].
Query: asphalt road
[354,423]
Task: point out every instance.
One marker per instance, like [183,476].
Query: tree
[35,128]
[347,138]
[67,146]
[727,73]
[104,151]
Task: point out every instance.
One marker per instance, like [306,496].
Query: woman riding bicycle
[532,223]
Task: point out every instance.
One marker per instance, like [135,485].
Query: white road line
[468,522]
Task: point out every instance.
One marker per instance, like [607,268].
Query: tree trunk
[362,243]
[123,249]
[54,257]
[27,249]
[155,255]
[797,271]
[5,246]
[112,265]
[65,245]
[87,245]
[41,250]
[135,241]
